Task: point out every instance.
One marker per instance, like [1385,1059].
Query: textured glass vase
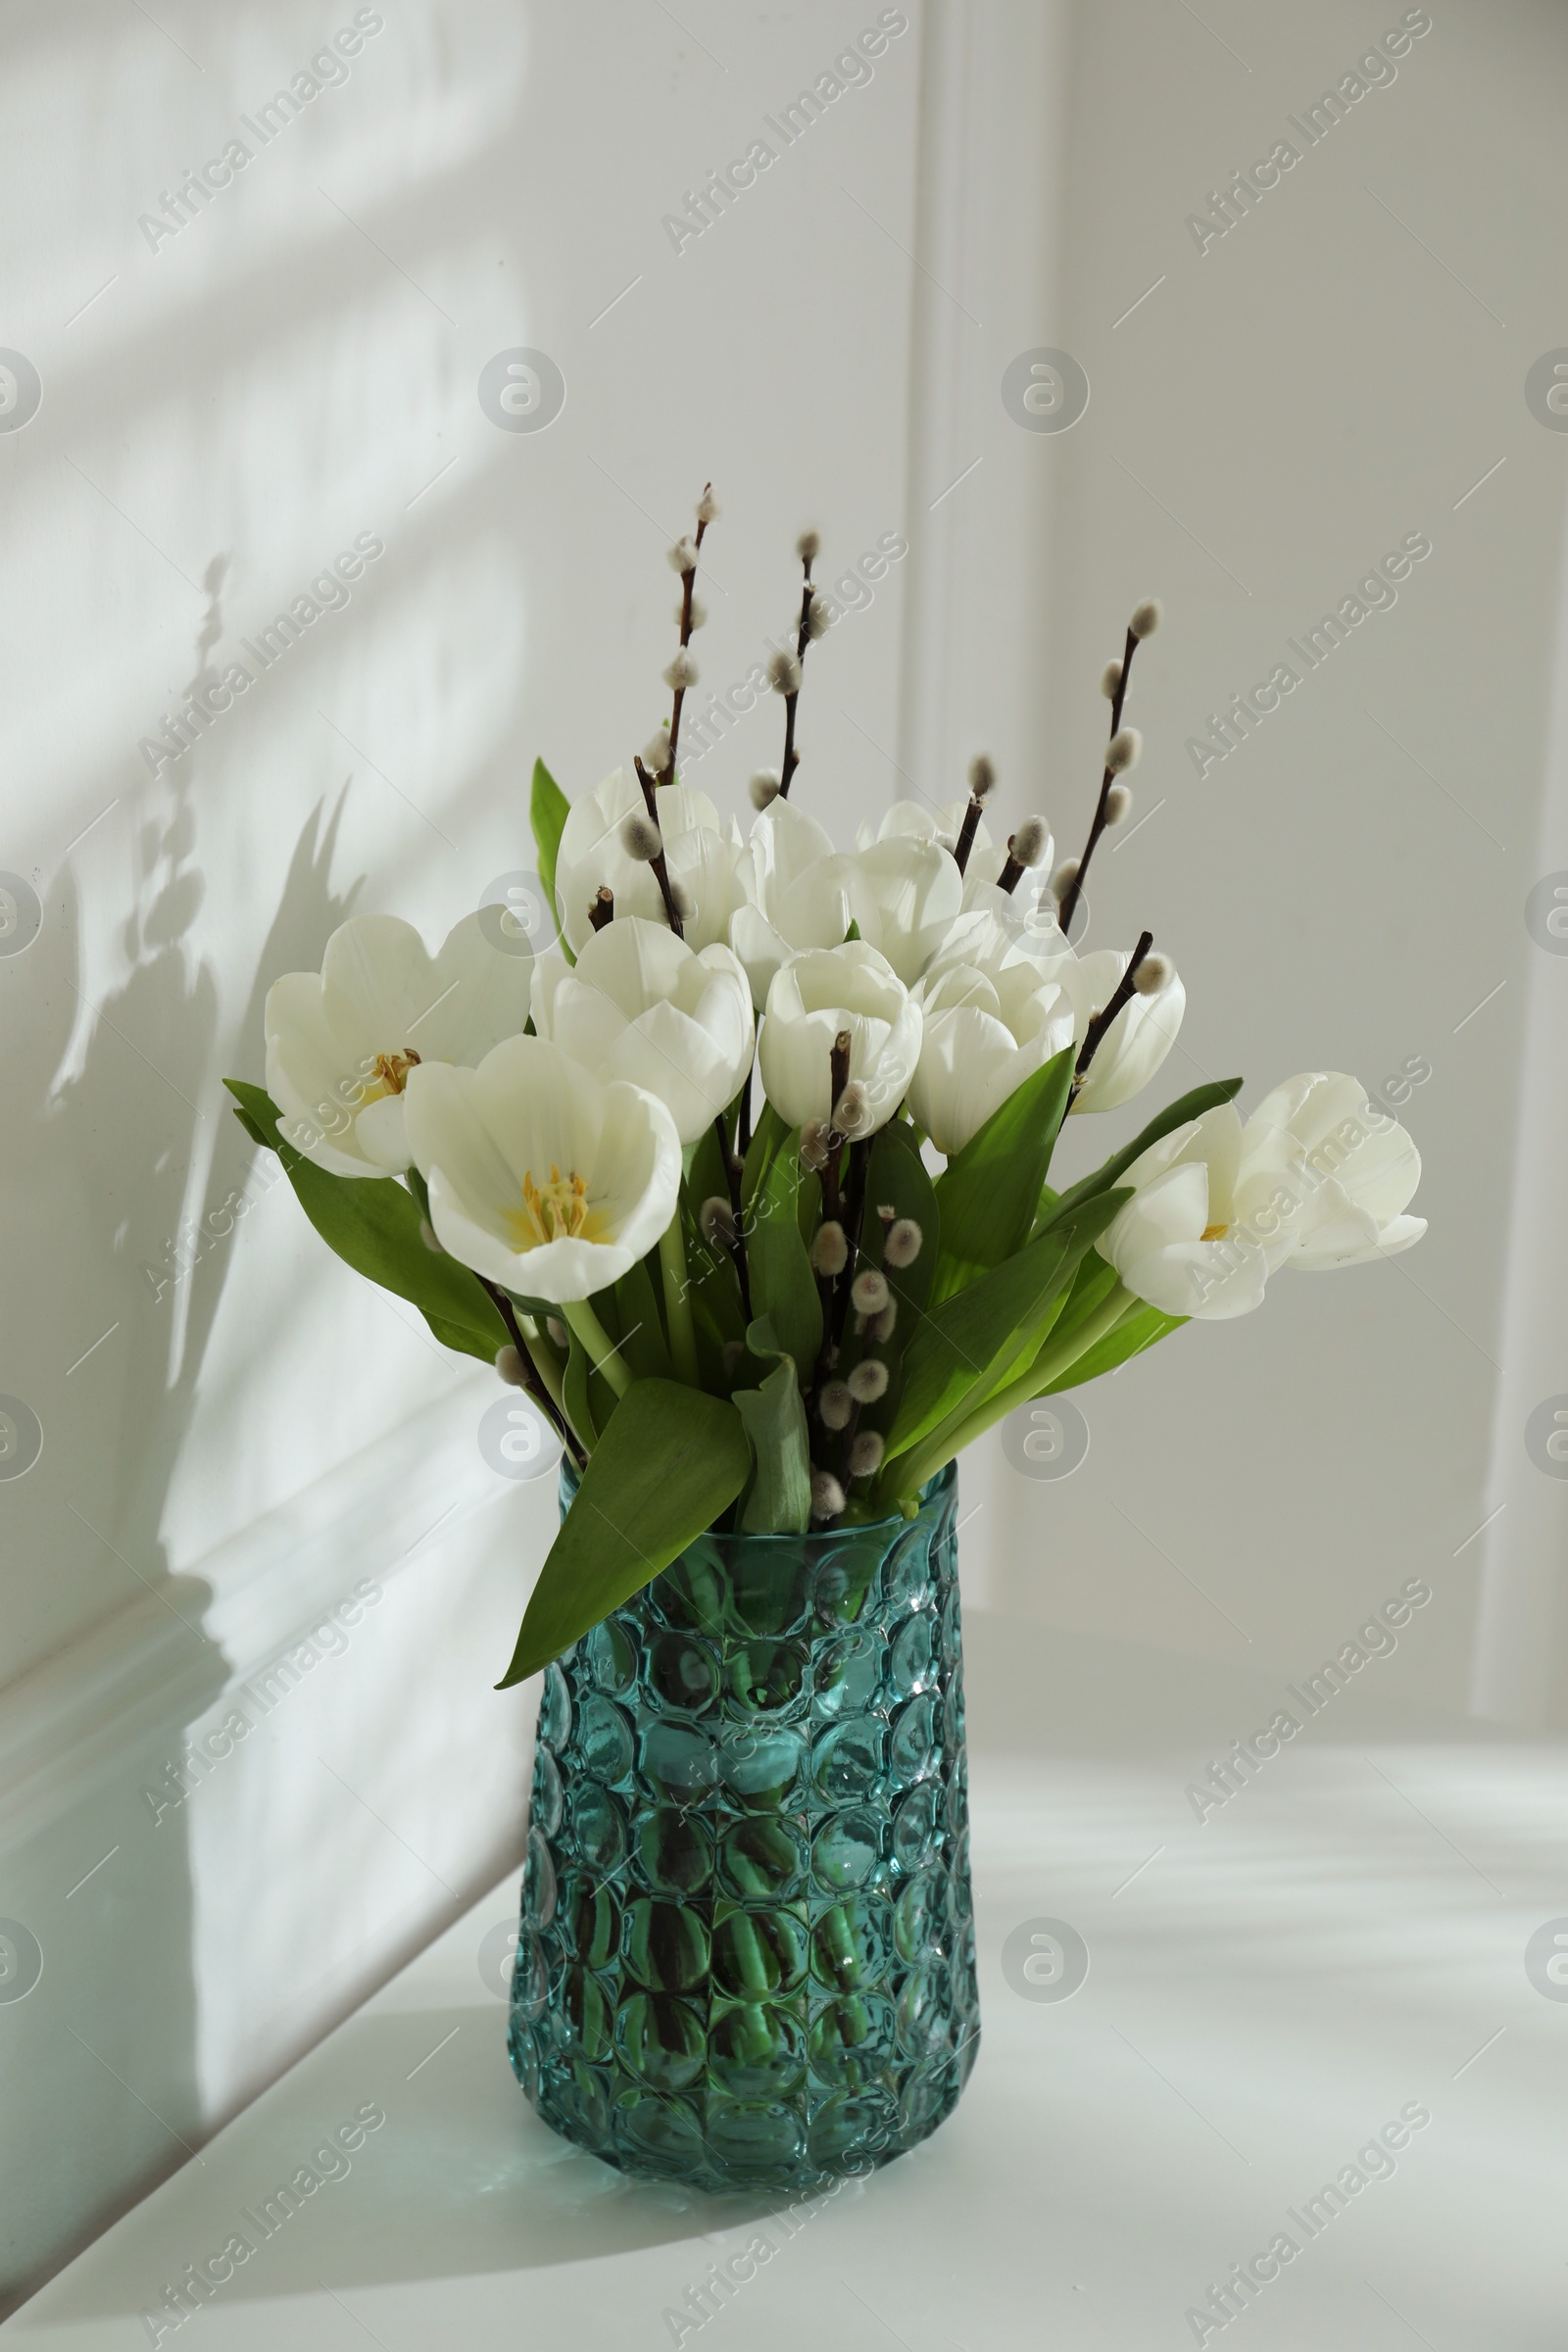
[747,1949]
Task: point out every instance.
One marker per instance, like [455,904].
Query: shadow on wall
[99,2058]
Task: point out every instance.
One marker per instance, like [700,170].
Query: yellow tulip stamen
[1214,1233]
[390,1074]
[557,1212]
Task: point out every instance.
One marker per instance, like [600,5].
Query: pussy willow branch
[1095,1034]
[657,865]
[688,586]
[1074,890]
[803,640]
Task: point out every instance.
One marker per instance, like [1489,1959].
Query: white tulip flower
[906,894]
[981,1040]
[643,1005]
[911,821]
[797,891]
[814,997]
[341,1043]
[1138,1039]
[1315,1179]
[1357,1167]
[999,931]
[706,866]
[541,1179]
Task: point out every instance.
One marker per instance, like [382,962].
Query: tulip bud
[834,1405]
[427,1235]
[1147,617]
[764,787]
[784,672]
[828,1495]
[808,546]
[1123,749]
[1031,841]
[830,1252]
[1063,880]
[707,507]
[881,1327]
[869,1291]
[508,1363]
[982,777]
[865,1455]
[1118,800]
[640,837]
[852,1111]
[1152,975]
[1109,680]
[904,1242]
[558,1331]
[683,556]
[681,672]
[656,751]
[868,1381]
[717,1223]
[813,1146]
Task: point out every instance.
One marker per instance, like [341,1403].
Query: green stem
[602,1353]
[545,1360]
[678,1303]
[913,1469]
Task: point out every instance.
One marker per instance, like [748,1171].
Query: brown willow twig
[688,586]
[1074,890]
[657,865]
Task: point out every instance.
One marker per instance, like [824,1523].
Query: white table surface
[1267,1991]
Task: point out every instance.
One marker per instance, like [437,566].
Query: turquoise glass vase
[747,1949]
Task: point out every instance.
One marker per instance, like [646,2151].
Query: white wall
[297,366]
[1281,408]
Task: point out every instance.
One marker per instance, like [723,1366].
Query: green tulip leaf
[989,1194]
[769,1134]
[778,1499]
[549,810]
[978,1340]
[1131,1335]
[373,1224]
[670,1461]
[1175,1114]
[783,1285]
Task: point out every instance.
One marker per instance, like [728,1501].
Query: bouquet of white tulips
[768,1310]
